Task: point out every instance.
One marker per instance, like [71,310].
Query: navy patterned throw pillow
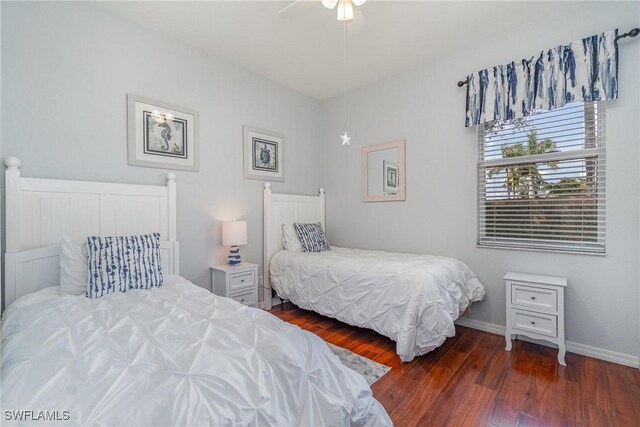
[312,237]
[121,263]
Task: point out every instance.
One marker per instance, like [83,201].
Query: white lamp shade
[234,233]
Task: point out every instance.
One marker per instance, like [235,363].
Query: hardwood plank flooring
[472,381]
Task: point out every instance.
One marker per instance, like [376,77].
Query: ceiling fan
[347,10]
[345,7]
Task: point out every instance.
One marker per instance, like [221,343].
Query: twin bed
[179,355]
[412,299]
[174,356]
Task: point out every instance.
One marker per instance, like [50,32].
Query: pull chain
[346,140]
[344,67]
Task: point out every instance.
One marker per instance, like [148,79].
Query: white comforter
[412,299]
[178,356]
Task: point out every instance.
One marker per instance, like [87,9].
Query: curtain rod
[634,32]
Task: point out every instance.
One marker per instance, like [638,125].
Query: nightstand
[239,282]
[535,308]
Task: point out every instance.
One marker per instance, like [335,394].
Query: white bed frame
[40,211]
[282,209]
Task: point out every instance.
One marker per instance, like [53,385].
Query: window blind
[541,180]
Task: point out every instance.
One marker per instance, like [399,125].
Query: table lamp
[234,234]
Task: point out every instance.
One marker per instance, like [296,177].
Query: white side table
[238,282]
[535,308]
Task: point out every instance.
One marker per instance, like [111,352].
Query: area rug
[370,370]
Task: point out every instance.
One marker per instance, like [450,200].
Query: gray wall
[425,107]
[67,68]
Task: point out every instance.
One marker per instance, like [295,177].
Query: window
[541,181]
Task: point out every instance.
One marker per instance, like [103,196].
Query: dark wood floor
[472,381]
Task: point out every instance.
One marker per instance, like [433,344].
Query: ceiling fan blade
[294,8]
[357,24]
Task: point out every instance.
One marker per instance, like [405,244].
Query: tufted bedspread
[412,299]
[177,355]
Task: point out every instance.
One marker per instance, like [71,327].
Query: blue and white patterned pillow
[117,264]
[312,237]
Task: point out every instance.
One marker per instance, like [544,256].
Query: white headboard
[40,211]
[284,209]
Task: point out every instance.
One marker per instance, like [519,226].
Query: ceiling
[305,52]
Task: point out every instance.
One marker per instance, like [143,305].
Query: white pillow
[290,239]
[73,267]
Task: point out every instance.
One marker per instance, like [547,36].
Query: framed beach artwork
[263,154]
[391,179]
[162,135]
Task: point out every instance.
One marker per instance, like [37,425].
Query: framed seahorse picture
[263,154]
[162,135]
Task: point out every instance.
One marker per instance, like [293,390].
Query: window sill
[555,251]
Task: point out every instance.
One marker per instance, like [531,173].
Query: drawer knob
[243,282]
[532,322]
[533,297]
[242,300]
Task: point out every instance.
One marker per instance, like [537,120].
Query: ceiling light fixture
[345,7]
[345,10]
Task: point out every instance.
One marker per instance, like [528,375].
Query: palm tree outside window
[541,181]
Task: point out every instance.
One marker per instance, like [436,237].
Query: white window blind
[541,181]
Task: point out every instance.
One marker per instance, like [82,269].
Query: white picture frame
[371,173]
[390,177]
[161,135]
[263,154]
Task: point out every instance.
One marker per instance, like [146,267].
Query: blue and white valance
[585,70]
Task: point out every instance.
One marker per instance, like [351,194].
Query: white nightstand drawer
[246,298]
[239,282]
[539,323]
[242,280]
[536,298]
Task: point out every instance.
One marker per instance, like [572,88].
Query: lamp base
[234,256]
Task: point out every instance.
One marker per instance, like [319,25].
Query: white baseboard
[572,347]
[481,326]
